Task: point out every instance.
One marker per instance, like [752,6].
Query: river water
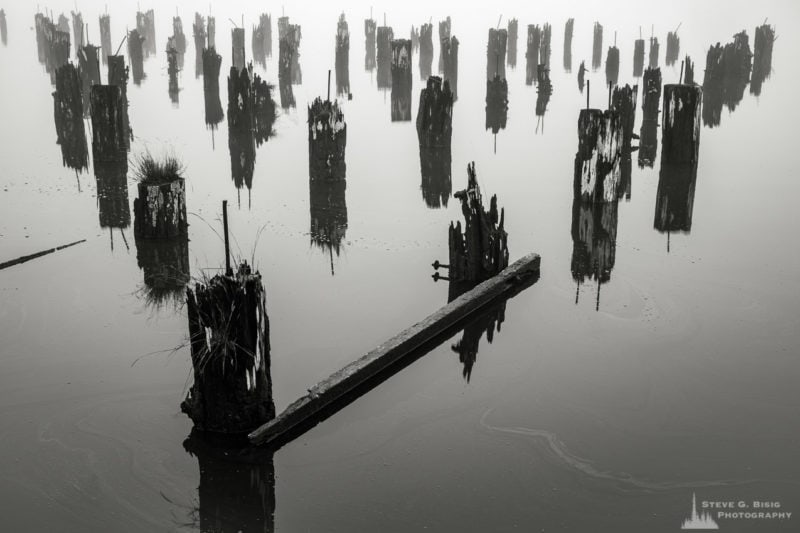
[592,408]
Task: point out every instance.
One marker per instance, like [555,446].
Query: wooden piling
[178,35]
[638,58]
[651,100]
[286,51]
[496,53]
[109,133]
[200,36]
[342,57]
[496,104]
[160,208]
[370,28]
[597,162]
[238,53]
[211,32]
[449,54]
[68,115]
[426,51]
[327,393]
[241,127]
[612,66]
[623,101]
[136,56]
[512,43]
[673,48]
[568,30]
[688,71]
[680,128]
[214,114]
[401,79]
[105,37]
[172,70]
[544,89]
[384,44]
[327,140]
[532,53]
[78,33]
[762,57]
[435,114]
[597,46]
[445,32]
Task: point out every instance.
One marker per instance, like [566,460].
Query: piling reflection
[496,105]
[262,40]
[213,106]
[434,130]
[166,270]
[146,27]
[199,34]
[384,45]
[112,195]
[594,243]
[53,44]
[544,90]
[675,198]
[68,115]
[425,51]
[3,28]
[726,76]
[762,57]
[105,38]
[328,206]
[496,54]
[532,53]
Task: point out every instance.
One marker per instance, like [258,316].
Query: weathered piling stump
[688,72]
[762,57]
[445,31]
[42,26]
[172,71]
[136,56]
[653,54]
[328,215]
[68,115]
[726,76]
[89,68]
[532,53]
[296,34]
[513,29]
[3,28]
[425,51]
[449,54]
[597,46]
[237,53]
[384,43]
[638,58]
[109,133]
[78,33]
[612,66]
[496,53]
[105,38]
[680,128]
[286,51]
[146,26]
[118,76]
[401,79]
[370,28]
[544,90]
[59,52]
[651,100]
[594,243]
[568,29]
[262,40]
[213,106]
[342,57]
[623,102]
[597,162]
[63,23]
[481,251]
[199,34]
[434,131]
[327,140]
[673,48]
[211,32]
[496,104]
[241,127]
[160,208]
[544,48]
[675,197]
[229,339]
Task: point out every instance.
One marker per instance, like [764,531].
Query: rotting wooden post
[241,127]
[512,43]
[136,56]
[327,141]
[370,28]
[568,30]
[426,51]
[68,115]
[287,48]
[673,47]
[532,53]
[651,100]
[688,73]
[496,53]
[680,128]
[481,251]
[228,270]
[597,162]
[109,134]
[118,76]
[653,55]
[384,44]
[449,54]
[200,36]
[401,79]
[89,68]
[597,46]
[445,29]
[160,210]
[544,48]
[342,58]
[331,392]
[435,114]
[623,101]
[229,338]
[105,37]
[262,40]
[172,70]
[544,90]
[237,53]
[762,57]
[612,65]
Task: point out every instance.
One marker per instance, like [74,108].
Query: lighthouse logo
[697,520]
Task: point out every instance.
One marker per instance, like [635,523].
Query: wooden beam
[359,372]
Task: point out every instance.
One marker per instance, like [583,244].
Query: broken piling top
[653,54]
[401,61]
[680,128]
[496,53]
[762,57]
[211,30]
[597,46]
[582,76]
[481,252]
[435,114]
[325,118]
[597,162]
[229,339]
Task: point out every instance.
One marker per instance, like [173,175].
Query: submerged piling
[109,134]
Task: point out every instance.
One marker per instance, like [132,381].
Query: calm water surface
[577,416]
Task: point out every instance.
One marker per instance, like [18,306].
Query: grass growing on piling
[150,171]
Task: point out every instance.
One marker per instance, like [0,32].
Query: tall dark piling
[78,31]
[581,76]
[673,48]
[496,53]
[568,29]
[434,131]
[653,54]
[532,53]
[136,56]
[762,57]
[63,23]
[369,44]
[623,102]
[287,48]
[612,66]
[199,34]
[160,208]
[237,52]
[105,38]
[109,134]
[241,127]
[496,104]
[402,62]
[445,31]
[638,58]
[544,89]
[425,51]
[118,76]
[594,243]
[58,55]
[264,110]
[342,57]
[680,128]
[597,46]
[384,43]
[68,115]
[214,114]
[648,135]
[327,140]
[146,26]
[172,71]
[449,53]
[481,251]
[89,66]
[513,32]
[3,28]
[597,163]
[262,40]
[229,339]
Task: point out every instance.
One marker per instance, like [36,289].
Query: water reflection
[496,105]
[445,32]
[597,46]
[328,226]
[594,243]
[3,28]
[112,195]
[68,115]
[165,264]
[434,130]
[675,197]
[213,106]
[146,27]
[369,44]
[544,90]
[726,75]
[136,56]
[532,53]
[638,56]
[199,34]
